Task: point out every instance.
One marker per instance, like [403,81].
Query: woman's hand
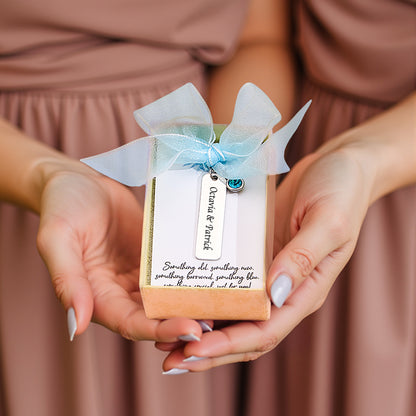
[320,207]
[89,238]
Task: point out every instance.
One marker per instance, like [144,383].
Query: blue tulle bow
[181,136]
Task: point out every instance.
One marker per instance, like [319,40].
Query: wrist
[381,162]
[27,165]
[44,169]
[384,146]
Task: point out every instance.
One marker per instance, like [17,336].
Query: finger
[63,258]
[244,338]
[285,197]
[321,233]
[177,360]
[115,309]
[247,341]
[206,326]
[168,346]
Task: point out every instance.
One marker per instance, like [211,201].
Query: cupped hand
[89,238]
[320,207]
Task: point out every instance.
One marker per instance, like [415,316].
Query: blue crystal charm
[235,185]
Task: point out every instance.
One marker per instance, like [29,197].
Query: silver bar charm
[210,218]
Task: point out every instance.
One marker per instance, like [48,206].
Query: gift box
[200,262]
[208,216]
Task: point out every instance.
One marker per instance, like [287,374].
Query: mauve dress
[71,75]
[354,357]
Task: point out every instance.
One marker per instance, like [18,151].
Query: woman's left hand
[320,207]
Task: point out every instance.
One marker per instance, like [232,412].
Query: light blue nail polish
[72,323]
[189,337]
[204,326]
[175,371]
[193,358]
[280,290]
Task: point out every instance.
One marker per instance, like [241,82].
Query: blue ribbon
[181,136]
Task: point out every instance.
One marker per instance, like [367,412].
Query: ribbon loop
[183,111]
[181,136]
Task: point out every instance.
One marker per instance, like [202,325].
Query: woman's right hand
[89,238]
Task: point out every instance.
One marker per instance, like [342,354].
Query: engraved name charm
[210,218]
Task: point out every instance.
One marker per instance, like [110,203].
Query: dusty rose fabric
[365,49]
[52,44]
[71,77]
[357,355]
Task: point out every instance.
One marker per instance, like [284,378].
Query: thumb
[62,255]
[318,236]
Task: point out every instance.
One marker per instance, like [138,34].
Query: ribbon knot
[181,136]
[215,155]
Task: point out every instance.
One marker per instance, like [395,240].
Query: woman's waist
[94,67]
[361,49]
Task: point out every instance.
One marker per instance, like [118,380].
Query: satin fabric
[354,357]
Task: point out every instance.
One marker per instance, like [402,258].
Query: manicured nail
[175,371]
[189,337]
[204,326]
[193,358]
[72,323]
[280,289]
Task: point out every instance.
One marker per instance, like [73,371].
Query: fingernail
[189,337]
[204,326]
[175,371]
[280,289]
[72,323]
[193,358]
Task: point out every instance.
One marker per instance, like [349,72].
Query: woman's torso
[54,44]
[363,49]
